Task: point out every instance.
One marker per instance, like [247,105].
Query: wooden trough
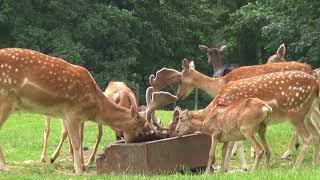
[155,157]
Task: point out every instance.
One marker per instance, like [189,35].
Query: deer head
[184,125]
[187,74]
[279,56]
[214,55]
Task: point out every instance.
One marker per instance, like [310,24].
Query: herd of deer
[247,100]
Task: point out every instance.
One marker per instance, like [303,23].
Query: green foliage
[128,40]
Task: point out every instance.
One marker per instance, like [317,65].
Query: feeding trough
[155,157]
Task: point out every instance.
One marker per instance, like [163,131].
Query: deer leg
[316,139]
[223,157]
[293,141]
[73,126]
[64,134]
[249,134]
[5,109]
[45,137]
[228,155]
[242,156]
[262,134]
[235,148]
[304,134]
[211,159]
[253,153]
[81,145]
[93,154]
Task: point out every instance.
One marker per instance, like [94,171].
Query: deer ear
[188,113]
[281,51]
[222,48]
[176,112]
[191,65]
[203,48]
[185,64]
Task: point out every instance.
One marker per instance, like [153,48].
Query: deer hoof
[286,156]
[43,159]
[52,160]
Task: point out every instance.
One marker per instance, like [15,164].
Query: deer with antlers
[36,82]
[297,97]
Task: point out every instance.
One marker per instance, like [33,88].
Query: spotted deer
[292,95]
[36,82]
[234,122]
[121,94]
[189,79]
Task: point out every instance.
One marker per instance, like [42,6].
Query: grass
[22,138]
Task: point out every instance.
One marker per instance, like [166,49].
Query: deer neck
[114,115]
[216,64]
[196,123]
[208,84]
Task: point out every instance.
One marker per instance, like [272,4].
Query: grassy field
[22,138]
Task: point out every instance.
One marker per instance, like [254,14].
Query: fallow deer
[189,78]
[215,59]
[238,120]
[39,83]
[292,95]
[121,94]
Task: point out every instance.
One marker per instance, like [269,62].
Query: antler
[163,78]
[155,100]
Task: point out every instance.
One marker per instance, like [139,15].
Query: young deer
[240,119]
[292,95]
[39,83]
[215,59]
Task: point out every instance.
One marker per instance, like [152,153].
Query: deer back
[256,70]
[290,91]
[40,80]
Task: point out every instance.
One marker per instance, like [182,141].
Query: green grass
[22,138]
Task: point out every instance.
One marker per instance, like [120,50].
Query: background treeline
[127,40]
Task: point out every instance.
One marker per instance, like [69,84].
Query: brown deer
[298,96]
[119,93]
[231,123]
[39,83]
[215,59]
